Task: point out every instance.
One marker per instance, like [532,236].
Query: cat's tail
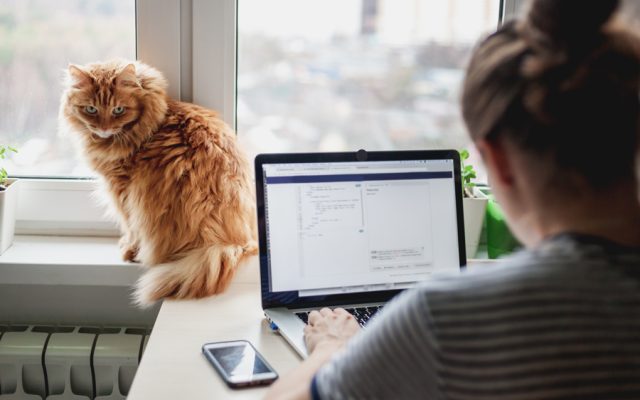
[201,272]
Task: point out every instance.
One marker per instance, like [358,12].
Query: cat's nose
[104,133]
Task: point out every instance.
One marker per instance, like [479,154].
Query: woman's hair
[564,83]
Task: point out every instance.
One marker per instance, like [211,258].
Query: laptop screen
[351,227]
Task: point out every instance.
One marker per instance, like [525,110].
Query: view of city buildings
[330,75]
[350,74]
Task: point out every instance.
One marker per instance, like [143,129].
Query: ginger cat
[180,185]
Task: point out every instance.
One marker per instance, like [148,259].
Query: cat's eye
[91,110]
[118,110]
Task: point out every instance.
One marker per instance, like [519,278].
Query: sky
[401,21]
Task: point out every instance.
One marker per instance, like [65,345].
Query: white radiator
[59,363]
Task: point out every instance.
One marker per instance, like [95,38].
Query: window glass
[339,75]
[632,11]
[38,39]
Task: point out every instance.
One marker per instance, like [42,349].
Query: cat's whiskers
[117,139]
[86,131]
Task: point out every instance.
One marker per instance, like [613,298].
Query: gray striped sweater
[558,322]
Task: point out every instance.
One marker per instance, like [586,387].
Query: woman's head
[552,103]
[561,86]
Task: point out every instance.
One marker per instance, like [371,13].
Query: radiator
[59,363]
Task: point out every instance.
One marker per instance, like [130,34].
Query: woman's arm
[297,383]
[326,335]
[396,357]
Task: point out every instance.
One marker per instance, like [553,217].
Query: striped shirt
[558,322]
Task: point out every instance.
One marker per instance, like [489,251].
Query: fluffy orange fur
[179,183]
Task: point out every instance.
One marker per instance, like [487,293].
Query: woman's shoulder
[578,253]
[563,264]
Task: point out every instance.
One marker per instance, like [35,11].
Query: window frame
[194,43]
[511,9]
[58,206]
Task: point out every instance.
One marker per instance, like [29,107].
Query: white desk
[173,366]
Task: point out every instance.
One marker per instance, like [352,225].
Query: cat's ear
[127,77]
[78,78]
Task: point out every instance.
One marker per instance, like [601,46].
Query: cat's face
[103,102]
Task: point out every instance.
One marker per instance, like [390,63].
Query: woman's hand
[325,335]
[332,328]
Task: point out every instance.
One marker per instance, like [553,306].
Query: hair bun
[563,22]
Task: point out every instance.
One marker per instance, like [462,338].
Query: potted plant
[474,205]
[8,203]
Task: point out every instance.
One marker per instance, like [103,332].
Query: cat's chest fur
[189,155]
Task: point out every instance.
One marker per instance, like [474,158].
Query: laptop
[352,230]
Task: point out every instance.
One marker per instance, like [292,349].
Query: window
[632,10]
[342,74]
[39,39]
[339,75]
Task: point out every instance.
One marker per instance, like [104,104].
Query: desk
[173,366]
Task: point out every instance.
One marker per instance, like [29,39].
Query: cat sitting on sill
[178,183]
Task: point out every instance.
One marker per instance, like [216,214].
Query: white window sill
[55,280]
[59,260]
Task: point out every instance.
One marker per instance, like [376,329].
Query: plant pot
[474,210]
[8,210]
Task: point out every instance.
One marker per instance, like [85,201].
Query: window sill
[56,280]
[57,260]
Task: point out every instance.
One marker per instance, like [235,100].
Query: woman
[551,102]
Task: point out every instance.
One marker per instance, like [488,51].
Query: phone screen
[238,360]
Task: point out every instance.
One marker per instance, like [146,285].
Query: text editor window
[334,231]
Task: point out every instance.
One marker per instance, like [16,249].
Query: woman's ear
[497,160]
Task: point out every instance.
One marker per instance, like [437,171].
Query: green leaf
[467,172]
[3,155]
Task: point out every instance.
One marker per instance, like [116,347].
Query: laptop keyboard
[361,314]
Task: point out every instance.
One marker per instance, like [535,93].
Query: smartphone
[239,364]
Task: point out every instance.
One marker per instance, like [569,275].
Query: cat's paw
[130,254]
[129,251]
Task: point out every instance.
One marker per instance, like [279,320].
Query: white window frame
[512,8]
[193,42]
